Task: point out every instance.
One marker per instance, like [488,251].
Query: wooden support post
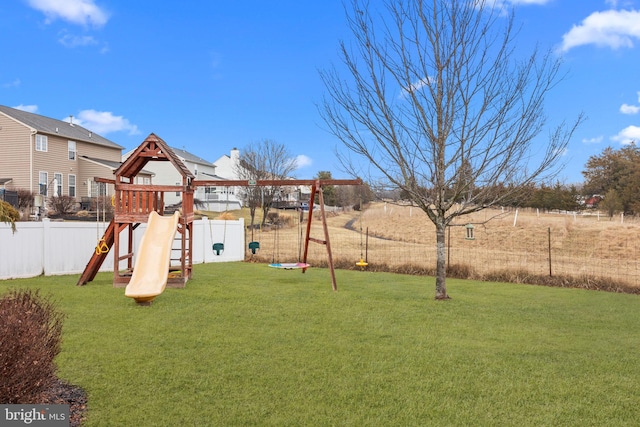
[316,188]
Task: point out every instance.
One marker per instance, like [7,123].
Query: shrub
[25,199]
[30,336]
[62,204]
[273,218]
[8,214]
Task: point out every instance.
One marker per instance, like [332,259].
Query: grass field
[245,344]
[585,247]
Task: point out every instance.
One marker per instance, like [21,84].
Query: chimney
[71,119]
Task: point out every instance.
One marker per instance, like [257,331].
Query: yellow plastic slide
[151,270]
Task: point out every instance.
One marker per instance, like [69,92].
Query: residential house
[227,167]
[52,157]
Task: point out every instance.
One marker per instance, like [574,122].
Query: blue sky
[208,76]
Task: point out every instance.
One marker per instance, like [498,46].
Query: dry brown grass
[586,251]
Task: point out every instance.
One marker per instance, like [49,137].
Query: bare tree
[439,104]
[264,160]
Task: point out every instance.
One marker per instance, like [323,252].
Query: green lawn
[245,344]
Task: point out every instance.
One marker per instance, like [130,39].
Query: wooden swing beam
[275,182]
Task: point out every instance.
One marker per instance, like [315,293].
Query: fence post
[46,242]
[549,238]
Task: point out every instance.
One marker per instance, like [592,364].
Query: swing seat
[362,263]
[218,248]
[254,246]
[290,265]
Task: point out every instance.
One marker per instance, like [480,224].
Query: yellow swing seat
[362,263]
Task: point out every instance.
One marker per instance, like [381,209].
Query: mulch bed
[63,393]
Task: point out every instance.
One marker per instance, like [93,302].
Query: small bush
[30,336]
[25,199]
[226,216]
[273,218]
[62,204]
[8,214]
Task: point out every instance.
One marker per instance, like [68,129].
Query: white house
[226,167]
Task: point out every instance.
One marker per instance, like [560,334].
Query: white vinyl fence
[53,248]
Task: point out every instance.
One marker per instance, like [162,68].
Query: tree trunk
[441,261]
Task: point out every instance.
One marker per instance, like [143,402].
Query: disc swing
[288,265]
[102,247]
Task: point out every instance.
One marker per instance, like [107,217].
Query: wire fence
[523,242]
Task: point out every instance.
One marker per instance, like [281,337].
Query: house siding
[24,167]
[88,170]
[15,152]
[54,160]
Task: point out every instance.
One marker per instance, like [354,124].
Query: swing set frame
[316,189]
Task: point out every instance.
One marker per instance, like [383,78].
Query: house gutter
[32,142]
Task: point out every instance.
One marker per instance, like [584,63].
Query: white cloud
[27,108]
[611,28]
[415,87]
[104,122]
[81,12]
[502,4]
[628,135]
[629,109]
[529,1]
[303,161]
[595,140]
[69,40]
[15,83]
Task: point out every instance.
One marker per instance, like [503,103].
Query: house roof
[46,125]
[110,164]
[191,157]
[153,148]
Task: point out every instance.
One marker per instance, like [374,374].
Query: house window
[42,183]
[98,189]
[72,185]
[57,181]
[41,143]
[177,192]
[210,193]
[72,150]
[147,180]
